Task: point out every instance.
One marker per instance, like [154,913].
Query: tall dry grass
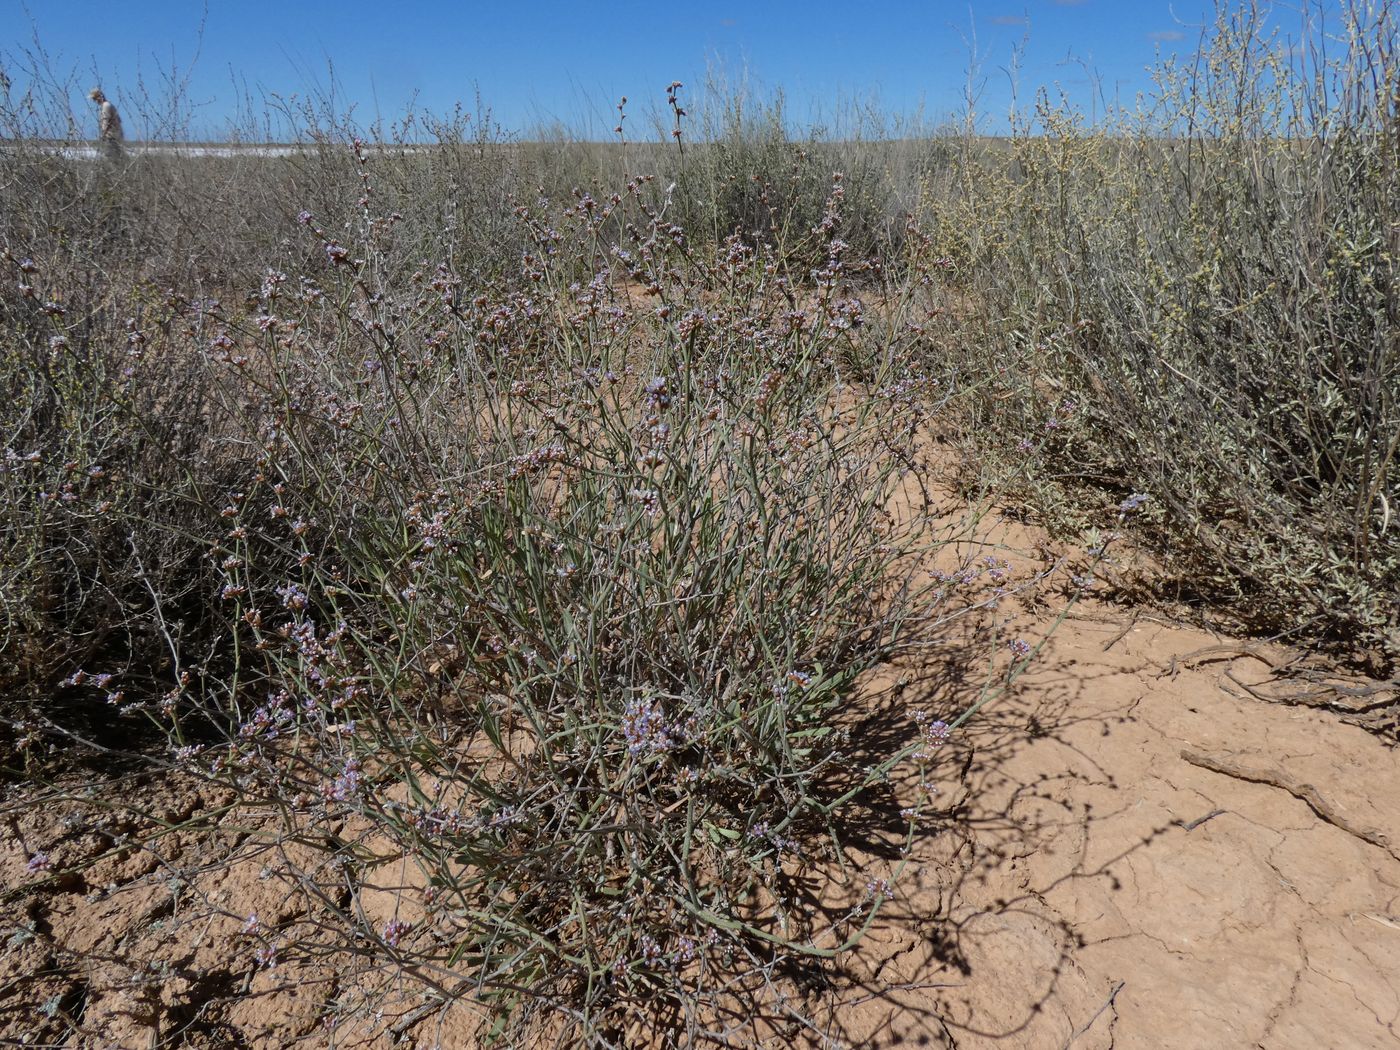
[1198,299]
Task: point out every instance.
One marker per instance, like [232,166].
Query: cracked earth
[1145,857]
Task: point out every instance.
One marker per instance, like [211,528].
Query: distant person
[109,125]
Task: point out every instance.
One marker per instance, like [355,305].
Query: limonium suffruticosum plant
[548,599]
[518,608]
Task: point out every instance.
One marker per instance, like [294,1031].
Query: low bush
[1200,300]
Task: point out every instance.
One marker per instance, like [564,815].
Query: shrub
[1200,301]
[548,601]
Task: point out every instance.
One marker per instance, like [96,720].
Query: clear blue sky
[538,62]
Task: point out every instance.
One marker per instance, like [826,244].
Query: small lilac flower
[40,861]
[1133,502]
[293,597]
[933,734]
[649,499]
[644,727]
[506,817]
[763,831]
[347,785]
[650,949]
[1020,646]
[394,931]
[657,396]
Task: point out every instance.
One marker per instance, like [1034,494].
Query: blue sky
[536,63]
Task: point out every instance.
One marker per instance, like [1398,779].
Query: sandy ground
[1131,851]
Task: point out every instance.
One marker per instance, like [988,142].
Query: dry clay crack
[1298,789]
[1109,1004]
[1271,1022]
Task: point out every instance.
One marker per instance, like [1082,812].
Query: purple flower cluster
[536,460]
[394,931]
[645,728]
[933,733]
[763,831]
[649,499]
[347,786]
[657,394]
[270,720]
[652,956]
[293,597]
